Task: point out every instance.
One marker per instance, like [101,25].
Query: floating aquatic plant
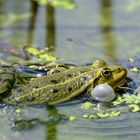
[130,59]
[131,102]
[127,99]
[72,118]
[87,105]
[67,4]
[134,69]
[39,55]
[134,107]
[108,114]
[103,114]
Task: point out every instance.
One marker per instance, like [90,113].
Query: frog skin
[67,83]
[7,78]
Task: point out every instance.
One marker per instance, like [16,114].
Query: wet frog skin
[67,83]
[7,78]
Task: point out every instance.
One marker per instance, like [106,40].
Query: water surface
[102,29]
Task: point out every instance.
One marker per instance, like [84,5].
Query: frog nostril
[119,69]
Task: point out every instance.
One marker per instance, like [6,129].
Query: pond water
[94,29]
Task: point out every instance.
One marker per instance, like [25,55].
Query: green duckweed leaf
[85,116]
[72,118]
[39,55]
[114,113]
[67,4]
[109,113]
[134,69]
[131,59]
[42,2]
[18,110]
[118,101]
[87,105]
[93,116]
[102,115]
[131,98]
[134,107]
[33,51]
[47,57]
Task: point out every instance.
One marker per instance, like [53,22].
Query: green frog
[62,83]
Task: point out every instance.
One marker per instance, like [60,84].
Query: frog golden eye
[106,72]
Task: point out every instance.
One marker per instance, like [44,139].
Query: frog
[62,84]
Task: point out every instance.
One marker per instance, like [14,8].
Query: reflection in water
[34,9]
[50,22]
[51,130]
[49,25]
[1,7]
[50,44]
[102,106]
[106,28]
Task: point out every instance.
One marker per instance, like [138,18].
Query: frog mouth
[119,80]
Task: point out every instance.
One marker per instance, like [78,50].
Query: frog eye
[106,72]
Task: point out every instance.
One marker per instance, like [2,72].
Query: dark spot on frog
[81,83]
[31,99]
[68,75]
[69,89]
[54,90]
[36,86]
[53,81]
[83,78]
[19,90]
[55,71]
[17,102]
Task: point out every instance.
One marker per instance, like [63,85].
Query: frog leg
[7,79]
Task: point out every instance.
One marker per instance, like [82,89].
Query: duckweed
[118,101]
[131,102]
[87,105]
[18,110]
[105,114]
[40,54]
[72,118]
[93,116]
[131,98]
[131,59]
[127,99]
[113,113]
[67,4]
[85,116]
[134,107]
[134,69]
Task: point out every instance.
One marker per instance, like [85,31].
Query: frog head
[112,75]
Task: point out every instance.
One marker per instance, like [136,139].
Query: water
[102,29]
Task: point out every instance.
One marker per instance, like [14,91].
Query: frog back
[54,94]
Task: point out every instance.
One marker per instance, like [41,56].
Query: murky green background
[106,29]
